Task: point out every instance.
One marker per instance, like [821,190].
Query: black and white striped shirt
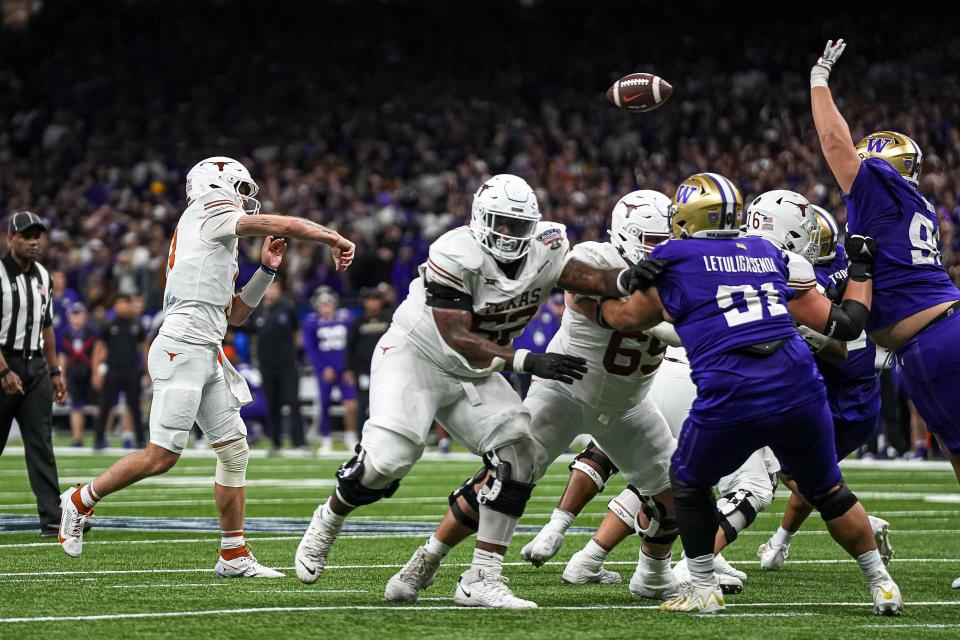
[25,306]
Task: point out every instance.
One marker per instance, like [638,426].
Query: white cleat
[721,566]
[881,533]
[956,584]
[482,588]
[71,524]
[244,567]
[582,570]
[543,547]
[772,557]
[654,586]
[887,600]
[697,598]
[728,584]
[313,549]
[415,576]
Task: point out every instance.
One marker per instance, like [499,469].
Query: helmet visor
[508,234]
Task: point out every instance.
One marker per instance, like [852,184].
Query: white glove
[821,71]
[816,341]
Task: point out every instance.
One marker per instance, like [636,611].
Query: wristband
[56,371]
[3,374]
[620,287]
[518,358]
[252,293]
[270,271]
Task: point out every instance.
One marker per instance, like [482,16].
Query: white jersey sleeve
[452,261]
[801,275]
[220,217]
[601,255]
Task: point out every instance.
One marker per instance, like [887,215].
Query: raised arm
[301,229]
[832,129]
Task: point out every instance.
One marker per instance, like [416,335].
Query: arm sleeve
[220,224]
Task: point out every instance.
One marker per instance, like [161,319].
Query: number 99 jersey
[501,306]
[620,366]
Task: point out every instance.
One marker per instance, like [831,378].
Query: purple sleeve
[671,296]
[310,339]
[870,201]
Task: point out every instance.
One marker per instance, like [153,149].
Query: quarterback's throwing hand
[342,253]
[821,71]
[640,276]
[555,366]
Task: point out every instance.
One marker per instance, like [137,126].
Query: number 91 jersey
[502,306]
[620,366]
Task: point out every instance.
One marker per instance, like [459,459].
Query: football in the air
[639,92]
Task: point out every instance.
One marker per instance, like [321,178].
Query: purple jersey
[325,341]
[725,295]
[853,388]
[907,275]
[539,331]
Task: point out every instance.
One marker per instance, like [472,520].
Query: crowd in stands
[381,119]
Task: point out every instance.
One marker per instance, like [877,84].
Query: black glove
[861,252]
[555,366]
[640,276]
[835,294]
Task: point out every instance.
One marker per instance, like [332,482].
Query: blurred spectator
[121,349]
[277,331]
[75,345]
[362,341]
[325,345]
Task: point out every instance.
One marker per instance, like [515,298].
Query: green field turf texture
[170,578]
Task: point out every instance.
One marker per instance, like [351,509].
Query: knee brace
[468,493]
[501,492]
[835,504]
[739,509]
[351,492]
[596,455]
[630,503]
[232,463]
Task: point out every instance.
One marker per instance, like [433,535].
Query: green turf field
[157,581]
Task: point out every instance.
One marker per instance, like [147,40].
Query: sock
[85,499]
[488,560]
[232,545]
[701,567]
[594,551]
[652,565]
[328,516]
[872,567]
[561,520]
[782,537]
[435,547]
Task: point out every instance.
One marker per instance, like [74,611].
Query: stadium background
[380,119]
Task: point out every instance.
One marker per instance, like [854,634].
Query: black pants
[127,381]
[34,413]
[281,387]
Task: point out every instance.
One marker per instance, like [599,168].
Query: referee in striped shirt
[31,380]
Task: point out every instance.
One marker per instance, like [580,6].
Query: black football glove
[861,252]
[835,294]
[555,366]
[640,276]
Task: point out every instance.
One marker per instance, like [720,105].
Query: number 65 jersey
[620,366]
[502,306]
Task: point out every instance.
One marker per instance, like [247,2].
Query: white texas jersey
[502,307]
[201,270]
[620,366]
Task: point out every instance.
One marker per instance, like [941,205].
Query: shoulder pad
[459,246]
[218,201]
[598,254]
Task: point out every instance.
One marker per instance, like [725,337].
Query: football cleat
[313,549]
[72,524]
[721,566]
[772,557]
[654,585]
[415,576]
[543,547]
[482,588]
[728,584]
[581,569]
[881,533]
[956,584]
[697,598]
[244,567]
[887,600]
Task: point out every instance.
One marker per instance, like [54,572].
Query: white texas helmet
[785,218]
[640,222]
[221,172]
[504,216]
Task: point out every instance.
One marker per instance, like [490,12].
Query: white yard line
[910,626]
[400,609]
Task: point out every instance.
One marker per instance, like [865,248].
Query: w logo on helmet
[877,145]
[684,193]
